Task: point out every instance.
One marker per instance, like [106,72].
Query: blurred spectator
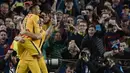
[112,37]
[125,26]
[1,21]
[87,65]
[94,44]
[71,52]
[117,6]
[11,29]
[3,27]
[55,45]
[78,33]
[69,68]
[125,13]
[124,51]
[83,3]
[3,43]
[46,5]
[90,15]
[3,62]
[69,8]
[4,9]
[99,25]
[4,48]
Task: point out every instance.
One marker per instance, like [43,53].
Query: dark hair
[84,22]
[2,19]
[71,65]
[46,8]
[122,40]
[18,9]
[125,7]
[71,17]
[80,17]
[3,31]
[113,18]
[11,14]
[68,0]
[4,3]
[110,26]
[85,48]
[89,26]
[106,8]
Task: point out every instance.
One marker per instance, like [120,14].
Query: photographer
[86,65]
[124,52]
[109,66]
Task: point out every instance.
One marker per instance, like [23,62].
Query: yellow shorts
[42,65]
[29,46]
[25,65]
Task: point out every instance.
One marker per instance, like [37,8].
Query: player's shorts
[25,65]
[42,65]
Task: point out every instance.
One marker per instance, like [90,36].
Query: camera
[85,54]
[108,61]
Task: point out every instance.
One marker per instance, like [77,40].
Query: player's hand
[39,56]
[8,54]
[14,60]
[20,39]
[23,32]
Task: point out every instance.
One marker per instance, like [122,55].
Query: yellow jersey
[31,24]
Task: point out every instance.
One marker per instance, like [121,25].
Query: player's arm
[51,27]
[43,33]
[49,30]
[32,35]
[27,33]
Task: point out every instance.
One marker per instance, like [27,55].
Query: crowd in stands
[93,34]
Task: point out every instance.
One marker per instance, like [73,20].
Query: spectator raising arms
[69,30]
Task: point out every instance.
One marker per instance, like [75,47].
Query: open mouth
[2,41]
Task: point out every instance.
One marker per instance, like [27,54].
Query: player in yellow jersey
[37,43]
[28,50]
[41,60]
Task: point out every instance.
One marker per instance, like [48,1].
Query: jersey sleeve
[36,28]
[28,23]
